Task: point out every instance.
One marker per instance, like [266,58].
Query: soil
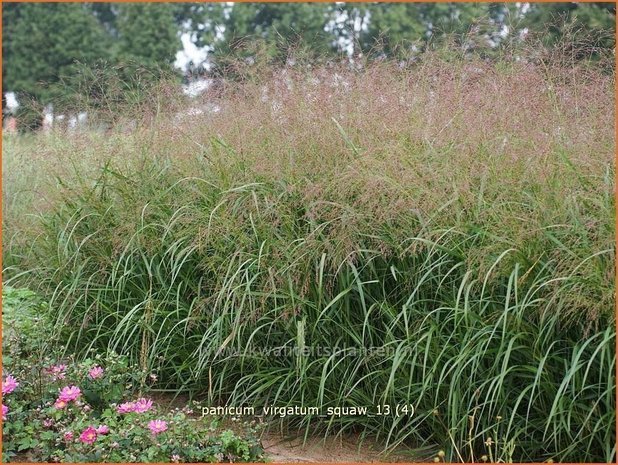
[332,449]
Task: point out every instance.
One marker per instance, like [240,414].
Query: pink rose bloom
[157,426]
[47,423]
[68,436]
[9,385]
[127,407]
[95,372]
[5,410]
[69,393]
[103,429]
[142,405]
[60,404]
[88,436]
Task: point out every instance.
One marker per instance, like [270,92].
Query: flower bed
[97,409]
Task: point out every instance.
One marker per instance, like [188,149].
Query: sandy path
[340,449]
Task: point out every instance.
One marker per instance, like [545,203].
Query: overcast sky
[189,53]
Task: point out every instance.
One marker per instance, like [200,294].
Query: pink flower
[95,372]
[5,410]
[60,404]
[142,405]
[68,436]
[103,429]
[48,422]
[58,371]
[127,407]
[9,385]
[88,436]
[69,393]
[157,426]
[176,458]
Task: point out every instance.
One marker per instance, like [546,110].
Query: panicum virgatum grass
[439,234]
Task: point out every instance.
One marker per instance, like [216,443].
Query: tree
[279,26]
[560,19]
[147,34]
[381,27]
[394,25]
[42,42]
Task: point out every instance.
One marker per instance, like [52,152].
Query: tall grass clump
[438,234]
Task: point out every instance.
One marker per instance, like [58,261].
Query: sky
[190,52]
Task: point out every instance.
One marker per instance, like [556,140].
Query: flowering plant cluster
[67,427]
[56,408]
[8,385]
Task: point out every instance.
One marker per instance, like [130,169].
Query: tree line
[44,43]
